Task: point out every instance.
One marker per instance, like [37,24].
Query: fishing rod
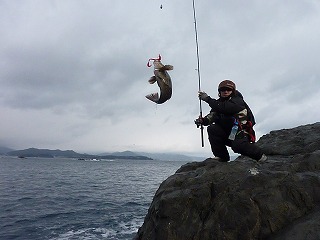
[198,67]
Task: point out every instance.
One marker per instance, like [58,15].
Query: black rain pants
[218,138]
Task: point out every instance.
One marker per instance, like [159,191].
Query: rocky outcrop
[243,199]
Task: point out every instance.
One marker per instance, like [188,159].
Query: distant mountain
[35,152]
[171,156]
[4,150]
[47,153]
[123,154]
[157,156]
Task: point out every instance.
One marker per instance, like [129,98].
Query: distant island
[47,153]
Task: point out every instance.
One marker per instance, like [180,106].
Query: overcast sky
[73,73]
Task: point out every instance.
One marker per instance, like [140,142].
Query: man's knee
[216,130]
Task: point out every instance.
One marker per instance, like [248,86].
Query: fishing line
[198,66]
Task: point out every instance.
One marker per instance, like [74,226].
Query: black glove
[203,96]
[199,121]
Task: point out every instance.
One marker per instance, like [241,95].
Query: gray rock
[299,140]
[243,199]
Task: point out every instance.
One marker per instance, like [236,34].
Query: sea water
[73,199]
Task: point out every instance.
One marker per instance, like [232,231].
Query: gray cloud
[73,74]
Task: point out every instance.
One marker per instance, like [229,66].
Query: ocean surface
[62,199]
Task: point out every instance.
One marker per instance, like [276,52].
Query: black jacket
[225,110]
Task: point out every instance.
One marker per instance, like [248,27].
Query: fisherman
[230,112]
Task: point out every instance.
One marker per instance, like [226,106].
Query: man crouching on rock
[230,123]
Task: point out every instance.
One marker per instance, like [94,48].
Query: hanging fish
[162,78]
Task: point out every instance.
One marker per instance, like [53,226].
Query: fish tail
[154,97]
